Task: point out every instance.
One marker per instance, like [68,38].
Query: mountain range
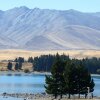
[45,29]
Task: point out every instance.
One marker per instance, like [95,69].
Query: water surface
[17,83]
[30,83]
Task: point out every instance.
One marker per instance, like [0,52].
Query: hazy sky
[81,5]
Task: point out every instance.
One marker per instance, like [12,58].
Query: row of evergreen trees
[44,63]
[93,64]
[70,78]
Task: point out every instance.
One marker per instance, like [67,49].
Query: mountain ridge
[44,29]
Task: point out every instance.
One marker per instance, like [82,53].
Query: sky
[80,5]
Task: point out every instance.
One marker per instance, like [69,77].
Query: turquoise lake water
[30,83]
[17,83]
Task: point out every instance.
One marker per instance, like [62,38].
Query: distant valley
[44,29]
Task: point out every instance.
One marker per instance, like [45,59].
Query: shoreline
[41,96]
[23,73]
[97,75]
[33,72]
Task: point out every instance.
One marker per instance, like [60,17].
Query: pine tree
[83,80]
[9,66]
[30,59]
[92,84]
[20,65]
[55,84]
[77,78]
[70,78]
[16,66]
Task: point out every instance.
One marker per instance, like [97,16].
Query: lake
[30,83]
[19,83]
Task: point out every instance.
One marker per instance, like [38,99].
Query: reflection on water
[30,83]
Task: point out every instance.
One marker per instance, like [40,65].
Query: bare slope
[68,37]
[44,29]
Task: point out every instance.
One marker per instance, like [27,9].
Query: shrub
[26,70]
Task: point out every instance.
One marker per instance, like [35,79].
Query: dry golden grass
[12,54]
[26,65]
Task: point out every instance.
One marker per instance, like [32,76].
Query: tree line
[44,63]
[69,78]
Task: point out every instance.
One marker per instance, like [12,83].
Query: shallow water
[29,83]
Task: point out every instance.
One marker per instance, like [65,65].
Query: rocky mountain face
[44,29]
